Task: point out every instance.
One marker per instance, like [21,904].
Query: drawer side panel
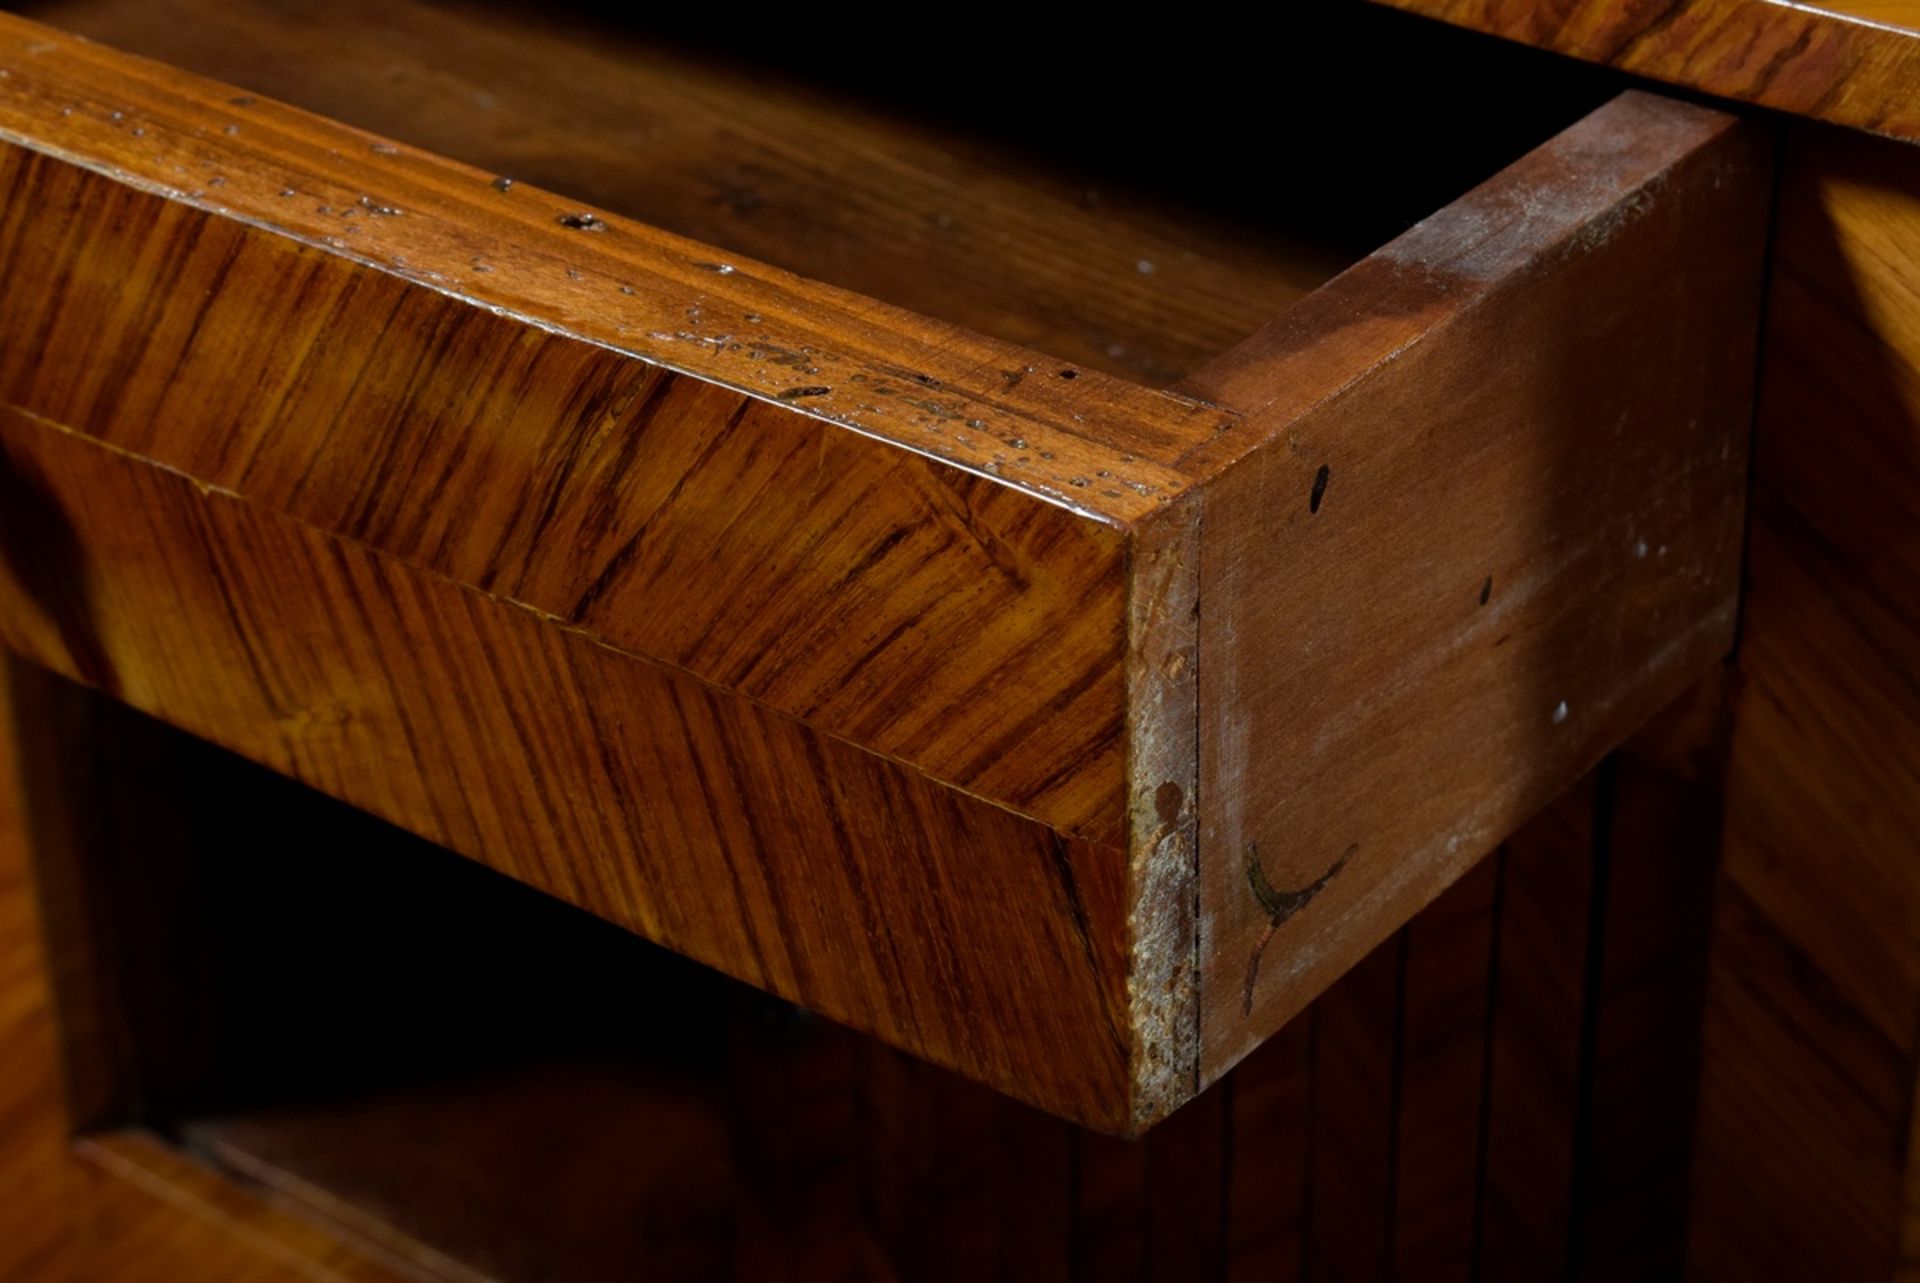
[1438,594]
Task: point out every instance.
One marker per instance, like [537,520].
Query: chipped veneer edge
[1163,885]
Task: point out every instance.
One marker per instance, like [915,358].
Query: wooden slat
[1034,1189]
[1534,1093]
[1393,1117]
[1445,1010]
[1663,839]
[1267,1137]
[1382,1082]
[1354,1103]
[1186,1185]
[792,1115]
[1110,1209]
[1597,1004]
[1491,527]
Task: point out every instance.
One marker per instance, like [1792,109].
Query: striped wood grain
[1850,63]
[955,597]
[720,829]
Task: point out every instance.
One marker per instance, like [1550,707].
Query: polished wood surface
[816,184]
[1505,1087]
[529,747]
[898,693]
[984,182]
[810,569]
[1851,63]
[562,490]
[213,154]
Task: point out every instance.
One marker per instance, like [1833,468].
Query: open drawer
[1064,680]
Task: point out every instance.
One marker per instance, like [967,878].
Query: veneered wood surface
[1851,63]
[605,503]
[757,163]
[1805,1159]
[921,383]
[808,567]
[985,181]
[979,674]
[789,859]
[1496,489]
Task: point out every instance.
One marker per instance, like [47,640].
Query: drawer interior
[1134,202]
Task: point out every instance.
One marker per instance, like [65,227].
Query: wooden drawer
[1065,679]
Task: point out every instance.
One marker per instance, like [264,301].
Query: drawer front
[1065,731]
